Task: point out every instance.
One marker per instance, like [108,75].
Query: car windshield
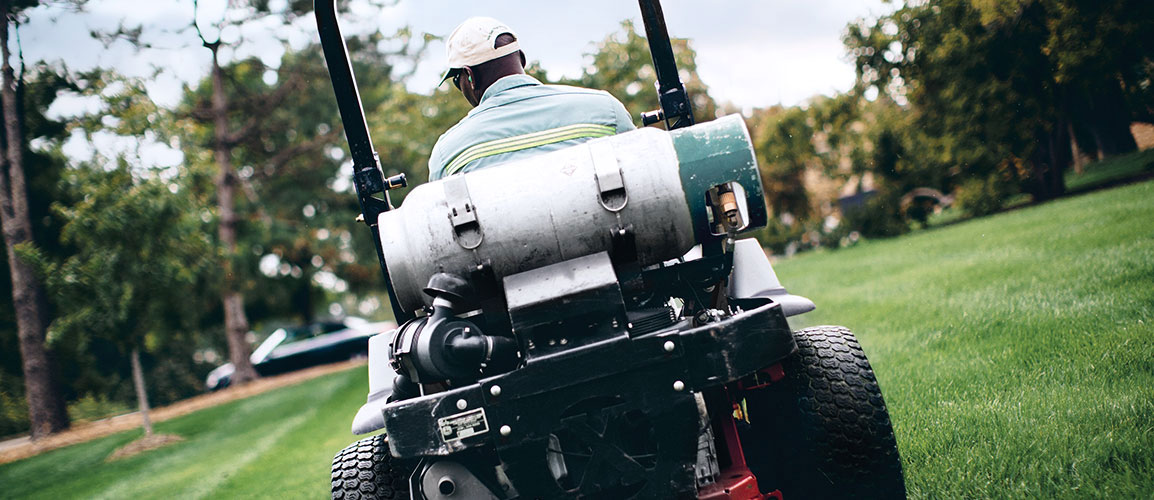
[299,333]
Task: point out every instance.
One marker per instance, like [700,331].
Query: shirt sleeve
[624,121]
[436,168]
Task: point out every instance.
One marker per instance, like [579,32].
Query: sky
[752,53]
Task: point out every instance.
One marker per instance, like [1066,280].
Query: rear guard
[590,396]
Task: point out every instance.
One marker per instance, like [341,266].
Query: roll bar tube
[675,108]
[367,176]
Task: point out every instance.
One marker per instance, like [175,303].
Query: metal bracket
[462,213]
[607,171]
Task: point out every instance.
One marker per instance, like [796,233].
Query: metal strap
[462,213]
[608,174]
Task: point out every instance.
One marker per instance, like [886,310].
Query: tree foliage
[139,253]
[621,65]
[1001,88]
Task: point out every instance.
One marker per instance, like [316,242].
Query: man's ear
[522,58]
[469,88]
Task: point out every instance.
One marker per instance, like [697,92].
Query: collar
[506,83]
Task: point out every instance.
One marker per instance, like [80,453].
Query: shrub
[980,196]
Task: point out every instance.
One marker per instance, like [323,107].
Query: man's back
[519,117]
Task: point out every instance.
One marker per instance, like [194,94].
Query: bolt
[506,430]
[495,390]
[679,386]
[669,346]
[564,341]
[462,404]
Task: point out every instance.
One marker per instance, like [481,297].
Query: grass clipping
[144,444]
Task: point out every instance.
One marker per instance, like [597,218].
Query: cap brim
[448,74]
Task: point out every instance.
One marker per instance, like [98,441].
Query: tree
[139,251]
[47,413]
[623,66]
[44,166]
[784,144]
[1097,50]
[1004,87]
[225,137]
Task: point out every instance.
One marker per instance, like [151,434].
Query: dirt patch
[21,448]
[146,443]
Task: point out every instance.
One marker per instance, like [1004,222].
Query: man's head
[481,51]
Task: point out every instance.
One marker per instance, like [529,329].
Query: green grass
[1016,352]
[275,445]
[1100,174]
[1111,170]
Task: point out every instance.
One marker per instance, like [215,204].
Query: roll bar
[367,176]
[675,109]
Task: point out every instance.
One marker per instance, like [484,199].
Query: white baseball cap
[474,42]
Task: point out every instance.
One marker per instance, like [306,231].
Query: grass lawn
[1111,170]
[1097,175]
[1016,352]
[275,445]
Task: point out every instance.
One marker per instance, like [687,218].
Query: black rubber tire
[365,469]
[823,431]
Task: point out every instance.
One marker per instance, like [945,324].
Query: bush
[880,217]
[980,196]
[89,408]
[13,407]
[777,237]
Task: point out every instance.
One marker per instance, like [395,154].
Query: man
[514,115]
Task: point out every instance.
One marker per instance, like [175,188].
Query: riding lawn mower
[589,323]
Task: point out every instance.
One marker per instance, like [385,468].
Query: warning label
[463,425]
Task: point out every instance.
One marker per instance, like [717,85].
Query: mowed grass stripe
[278,444]
[1016,352]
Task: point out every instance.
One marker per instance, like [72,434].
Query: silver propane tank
[569,203]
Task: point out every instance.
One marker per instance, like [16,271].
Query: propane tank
[569,203]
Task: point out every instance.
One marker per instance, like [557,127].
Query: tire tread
[366,470]
[826,424]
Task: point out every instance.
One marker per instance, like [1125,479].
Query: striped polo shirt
[518,117]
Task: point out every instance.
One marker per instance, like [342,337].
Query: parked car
[288,349]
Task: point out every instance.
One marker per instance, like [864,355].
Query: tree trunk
[302,297]
[1078,157]
[235,322]
[1109,120]
[141,392]
[46,410]
[1049,162]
